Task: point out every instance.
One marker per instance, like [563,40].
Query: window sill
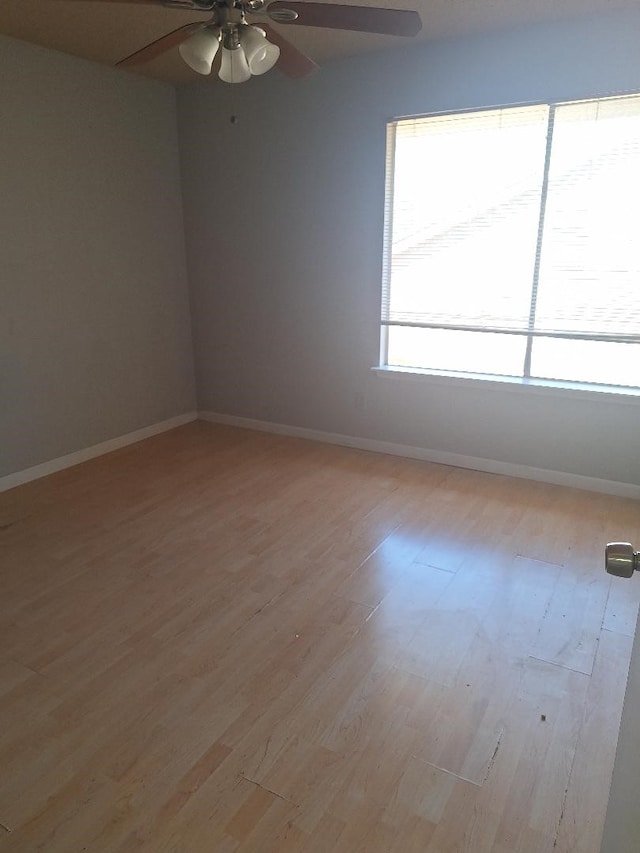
[574,390]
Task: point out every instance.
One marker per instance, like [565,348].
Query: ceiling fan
[254,48]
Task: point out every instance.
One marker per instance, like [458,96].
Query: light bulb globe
[261,54]
[265,61]
[200,50]
[234,67]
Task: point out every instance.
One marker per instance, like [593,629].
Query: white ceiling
[107,32]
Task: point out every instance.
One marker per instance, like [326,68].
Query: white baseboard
[456,460]
[42,470]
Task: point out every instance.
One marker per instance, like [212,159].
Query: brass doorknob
[621,560]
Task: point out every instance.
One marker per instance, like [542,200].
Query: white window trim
[488,382]
[523,384]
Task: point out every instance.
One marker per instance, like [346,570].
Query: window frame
[525,382]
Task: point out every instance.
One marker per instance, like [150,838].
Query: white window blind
[510,242]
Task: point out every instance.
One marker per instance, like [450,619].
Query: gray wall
[283,215]
[95,334]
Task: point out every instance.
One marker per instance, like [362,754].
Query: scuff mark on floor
[564,803]
[449,772]
[493,757]
[268,790]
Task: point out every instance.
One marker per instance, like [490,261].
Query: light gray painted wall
[95,334]
[284,231]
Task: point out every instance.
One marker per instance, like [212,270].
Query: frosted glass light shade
[200,50]
[261,54]
[234,67]
[264,63]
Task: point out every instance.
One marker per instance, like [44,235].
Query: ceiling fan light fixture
[261,54]
[200,41]
[200,50]
[234,67]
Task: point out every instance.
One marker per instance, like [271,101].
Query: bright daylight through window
[512,243]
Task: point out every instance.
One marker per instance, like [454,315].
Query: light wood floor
[218,640]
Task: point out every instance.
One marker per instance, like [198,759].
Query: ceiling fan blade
[159,46]
[187,5]
[394,22]
[129,2]
[292,62]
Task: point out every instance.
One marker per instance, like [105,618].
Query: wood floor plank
[232,641]
[587,792]
[570,630]
[621,613]
[531,770]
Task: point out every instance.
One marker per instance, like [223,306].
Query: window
[512,243]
